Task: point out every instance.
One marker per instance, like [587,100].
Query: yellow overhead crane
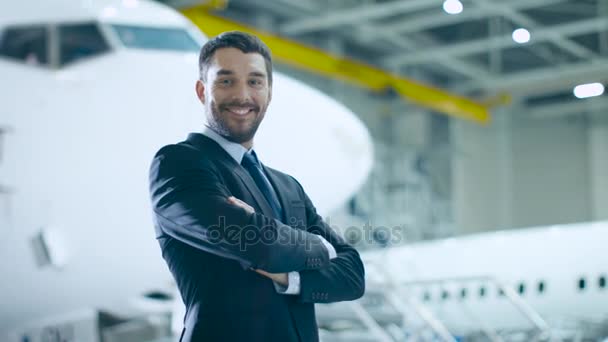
[326,64]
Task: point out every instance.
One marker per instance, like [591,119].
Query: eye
[255,82]
[225,81]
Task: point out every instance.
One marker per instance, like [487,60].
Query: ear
[269,94]
[200,91]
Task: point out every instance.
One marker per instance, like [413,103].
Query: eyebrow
[225,72]
[257,73]
[222,72]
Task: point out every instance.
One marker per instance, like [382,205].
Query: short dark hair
[234,39]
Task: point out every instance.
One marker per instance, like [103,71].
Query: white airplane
[89,91]
[547,281]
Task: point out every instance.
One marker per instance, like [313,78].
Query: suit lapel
[200,140]
[276,184]
[253,189]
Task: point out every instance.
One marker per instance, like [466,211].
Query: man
[247,249]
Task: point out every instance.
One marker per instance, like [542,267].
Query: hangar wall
[517,171]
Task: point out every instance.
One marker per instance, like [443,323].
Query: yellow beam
[360,74]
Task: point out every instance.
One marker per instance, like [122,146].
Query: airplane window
[445,295]
[521,288]
[541,286]
[482,292]
[426,297]
[463,293]
[581,284]
[156,38]
[602,282]
[501,293]
[26,44]
[80,41]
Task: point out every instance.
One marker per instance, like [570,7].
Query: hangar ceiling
[472,53]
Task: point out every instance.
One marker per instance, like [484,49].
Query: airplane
[90,90]
[548,282]
[82,117]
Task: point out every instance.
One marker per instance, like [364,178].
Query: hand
[241,204]
[280,278]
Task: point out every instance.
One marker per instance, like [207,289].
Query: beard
[234,132]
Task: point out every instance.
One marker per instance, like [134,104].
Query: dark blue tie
[251,164]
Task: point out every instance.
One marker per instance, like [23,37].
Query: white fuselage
[558,257]
[79,143]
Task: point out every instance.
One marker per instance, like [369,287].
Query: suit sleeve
[343,279]
[189,202]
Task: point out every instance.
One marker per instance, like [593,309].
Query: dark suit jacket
[210,247]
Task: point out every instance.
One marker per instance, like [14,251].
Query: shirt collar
[235,150]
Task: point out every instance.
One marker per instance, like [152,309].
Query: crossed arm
[343,279]
[192,205]
[280,278]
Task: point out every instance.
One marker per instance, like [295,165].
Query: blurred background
[463,144]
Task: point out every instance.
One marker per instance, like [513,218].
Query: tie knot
[249,159]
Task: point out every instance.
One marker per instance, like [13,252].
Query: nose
[242,93]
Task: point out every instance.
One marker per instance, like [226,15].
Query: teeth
[239,110]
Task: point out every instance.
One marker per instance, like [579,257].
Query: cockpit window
[78,41]
[156,38]
[52,45]
[28,44]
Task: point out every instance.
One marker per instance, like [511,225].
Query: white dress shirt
[237,151]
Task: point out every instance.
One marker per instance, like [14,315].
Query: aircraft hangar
[457,145]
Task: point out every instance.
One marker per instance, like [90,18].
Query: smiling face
[236,94]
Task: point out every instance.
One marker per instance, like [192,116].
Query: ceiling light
[130,3]
[521,35]
[109,12]
[452,6]
[588,90]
